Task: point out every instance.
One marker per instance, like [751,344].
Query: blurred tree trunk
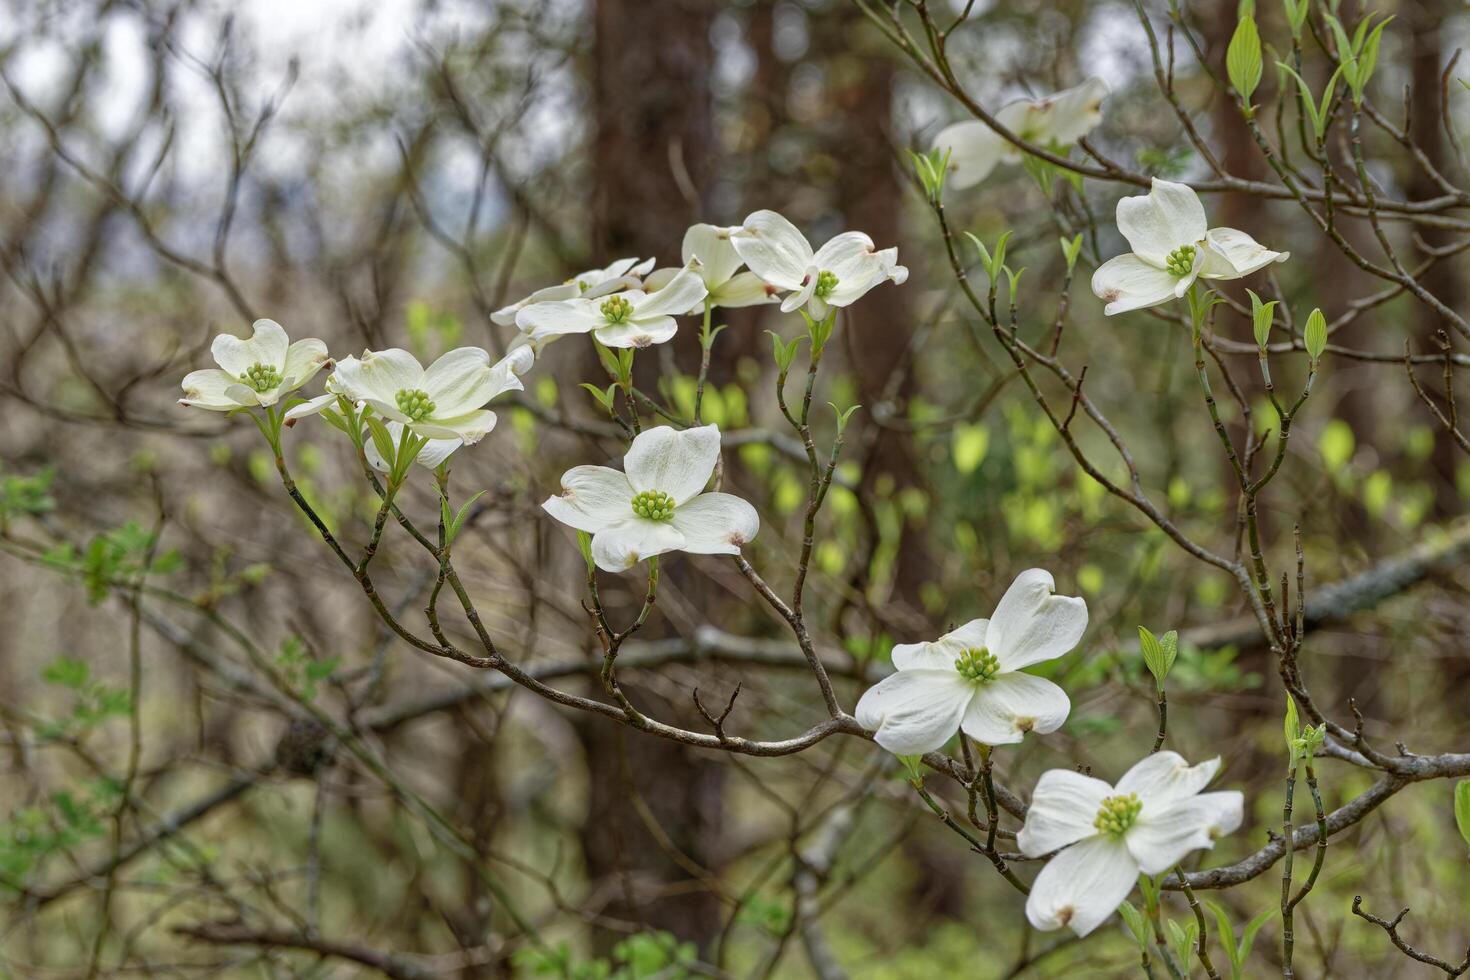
[651,162]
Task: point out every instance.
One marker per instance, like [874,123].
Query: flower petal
[716,524]
[380,375]
[312,406]
[506,315]
[1082,886]
[683,293]
[974,150]
[1156,223]
[1165,777]
[677,462]
[773,248]
[470,427]
[801,297]
[915,711]
[212,389]
[1013,704]
[625,544]
[1032,624]
[458,382]
[1231,254]
[743,289]
[1071,114]
[1063,808]
[303,360]
[942,652]
[711,245]
[592,498]
[564,317]
[1163,837]
[638,333]
[267,345]
[1126,282]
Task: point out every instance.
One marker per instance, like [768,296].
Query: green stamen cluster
[416,404]
[653,505]
[1117,814]
[826,282]
[1180,261]
[616,309]
[979,666]
[261,377]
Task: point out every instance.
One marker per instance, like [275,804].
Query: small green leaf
[1293,729]
[843,415]
[1248,937]
[584,545]
[1462,808]
[1070,251]
[452,528]
[1243,59]
[1158,653]
[1133,919]
[1262,315]
[1314,336]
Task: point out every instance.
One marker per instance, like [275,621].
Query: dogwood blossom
[1054,121]
[254,373]
[719,266]
[443,402]
[971,679]
[631,318]
[838,274]
[655,504]
[1147,823]
[1172,247]
[622,274]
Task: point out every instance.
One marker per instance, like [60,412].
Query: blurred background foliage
[387,175]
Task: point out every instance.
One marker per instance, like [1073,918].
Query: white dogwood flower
[971,679]
[1054,121]
[443,402]
[1147,823]
[1172,248]
[622,274]
[719,267]
[627,319]
[655,504]
[255,372]
[837,274]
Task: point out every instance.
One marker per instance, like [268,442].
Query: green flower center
[1117,814]
[1180,261]
[653,505]
[616,309]
[826,283]
[979,666]
[416,404]
[261,377]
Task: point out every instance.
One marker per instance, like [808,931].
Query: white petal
[1165,777]
[677,462]
[915,711]
[592,498]
[974,150]
[773,248]
[744,289]
[303,360]
[716,524]
[971,636]
[941,653]
[459,381]
[659,278]
[212,389]
[1013,704]
[267,345]
[380,375]
[1032,624]
[804,295]
[1241,254]
[1155,224]
[469,428]
[564,317]
[626,544]
[1063,808]
[311,406]
[1072,114]
[711,245]
[1126,282]
[685,291]
[1082,886]
[1163,837]
[638,333]
[506,315]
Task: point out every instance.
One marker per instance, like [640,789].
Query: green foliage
[1462,809]
[92,702]
[115,558]
[1159,653]
[931,168]
[301,671]
[1237,950]
[68,820]
[1314,336]
[641,956]
[26,495]
[1359,55]
[993,260]
[1243,59]
[1070,250]
[453,522]
[1261,317]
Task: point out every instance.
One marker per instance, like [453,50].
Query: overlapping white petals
[916,704]
[1157,817]
[622,274]
[777,252]
[1054,121]
[257,371]
[456,386]
[646,318]
[1162,227]
[662,460]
